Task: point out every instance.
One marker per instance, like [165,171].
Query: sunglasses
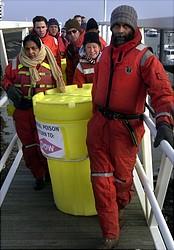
[71,32]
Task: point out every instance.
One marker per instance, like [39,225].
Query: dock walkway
[30,220]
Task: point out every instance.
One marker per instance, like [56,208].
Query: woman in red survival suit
[34,70]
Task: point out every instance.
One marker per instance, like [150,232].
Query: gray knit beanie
[124,14]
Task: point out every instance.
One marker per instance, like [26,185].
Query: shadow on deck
[30,220]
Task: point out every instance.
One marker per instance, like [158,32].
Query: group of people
[67,44]
[38,68]
[122,74]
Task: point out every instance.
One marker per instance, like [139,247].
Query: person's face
[40,28]
[73,35]
[83,19]
[63,33]
[121,33]
[31,50]
[92,50]
[79,20]
[53,30]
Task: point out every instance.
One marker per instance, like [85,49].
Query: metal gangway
[151,199]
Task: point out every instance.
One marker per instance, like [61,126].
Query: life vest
[22,79]
[87,69]
[128,92]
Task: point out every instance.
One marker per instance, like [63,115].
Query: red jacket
[103,43]
[72,58]
[52,43]
[18,75]
[84,73]
[62,43]
[134,77]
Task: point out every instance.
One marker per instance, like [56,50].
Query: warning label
[51,139]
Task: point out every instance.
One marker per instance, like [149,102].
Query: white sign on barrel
[51,139]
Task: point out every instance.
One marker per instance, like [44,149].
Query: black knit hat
[72,23]
[53,21]
[91,37]
[91,24]
[124,14]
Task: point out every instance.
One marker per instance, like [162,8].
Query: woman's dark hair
[33,38]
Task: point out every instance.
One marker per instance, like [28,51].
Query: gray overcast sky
[21,10]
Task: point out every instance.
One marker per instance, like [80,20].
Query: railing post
[105,32]
[147,161]
[3,56]
[25,32]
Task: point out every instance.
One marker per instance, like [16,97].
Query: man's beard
[119,39]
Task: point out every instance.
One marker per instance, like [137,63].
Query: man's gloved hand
[15,95]
[164,132]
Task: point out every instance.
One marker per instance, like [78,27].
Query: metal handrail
[7,152]
[164,145]
[159,229]
[15,164]
[155,207]
[10,175]
[3,100]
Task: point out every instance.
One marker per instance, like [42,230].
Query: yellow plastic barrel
[72,189]
[61,120]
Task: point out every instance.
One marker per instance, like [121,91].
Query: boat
[152,33]
[169,54]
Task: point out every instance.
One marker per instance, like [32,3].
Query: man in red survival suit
[126,72]
[40,28]
[54,31]
[75,37]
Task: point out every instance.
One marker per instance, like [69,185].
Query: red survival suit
[111,143]
[62,43]
[72,58]
[84,73]
[18,75]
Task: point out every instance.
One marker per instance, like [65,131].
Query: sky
[25,10]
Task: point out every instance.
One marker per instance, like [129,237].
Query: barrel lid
[72,96]
[64,99]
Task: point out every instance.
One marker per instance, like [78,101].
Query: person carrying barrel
[34,70]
